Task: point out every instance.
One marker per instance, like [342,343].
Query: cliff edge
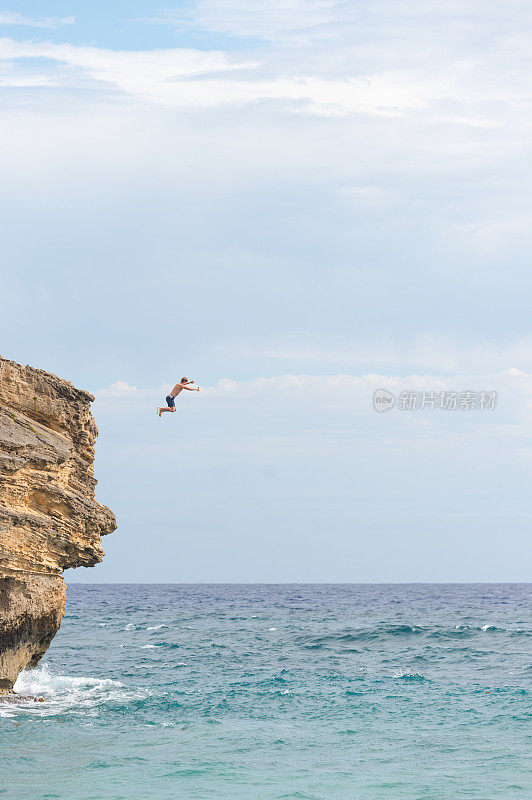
[49,518]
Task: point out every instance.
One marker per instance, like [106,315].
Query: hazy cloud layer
[14,18]
[294,203]
[465,65]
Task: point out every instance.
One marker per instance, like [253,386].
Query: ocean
[262,692]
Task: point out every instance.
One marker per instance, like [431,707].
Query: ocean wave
[359,635]
[67,693]
[469,631]
[407,675]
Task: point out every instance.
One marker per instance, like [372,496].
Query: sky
[295,203]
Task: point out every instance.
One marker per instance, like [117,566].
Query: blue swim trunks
[170,401]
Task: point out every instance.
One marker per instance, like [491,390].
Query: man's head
[184,380]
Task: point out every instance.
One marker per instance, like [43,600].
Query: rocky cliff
[49,518]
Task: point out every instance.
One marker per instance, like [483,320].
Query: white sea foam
[272,629]
[130,626]
[66,693]
[408,675]
[148,646]
[156,627]
[489,628]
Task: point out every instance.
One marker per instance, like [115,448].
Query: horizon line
[301,583]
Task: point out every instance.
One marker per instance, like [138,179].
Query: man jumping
[184,383]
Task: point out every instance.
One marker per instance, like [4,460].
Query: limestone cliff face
[49,518]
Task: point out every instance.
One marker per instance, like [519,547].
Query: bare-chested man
[184,383]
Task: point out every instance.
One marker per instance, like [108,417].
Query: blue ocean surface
[310,692]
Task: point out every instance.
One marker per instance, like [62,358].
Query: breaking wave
[68,694]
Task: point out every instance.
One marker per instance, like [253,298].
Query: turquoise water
[267,692]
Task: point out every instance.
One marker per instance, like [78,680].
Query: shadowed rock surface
[49,518]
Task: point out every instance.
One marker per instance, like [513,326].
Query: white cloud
[457,93]
[287,384]
[344,389]
[500,233]
[14,18]
[462,67]
[117,389]
[141,73]
[168,77]
[276,20]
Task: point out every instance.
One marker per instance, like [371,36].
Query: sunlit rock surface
[49,518]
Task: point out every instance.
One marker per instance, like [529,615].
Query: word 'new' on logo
[383,400]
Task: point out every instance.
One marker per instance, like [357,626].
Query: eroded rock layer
[49,518]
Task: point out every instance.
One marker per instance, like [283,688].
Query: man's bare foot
[160,412]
